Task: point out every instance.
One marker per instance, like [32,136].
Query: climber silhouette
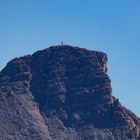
[62,43]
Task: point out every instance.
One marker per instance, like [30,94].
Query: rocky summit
[62,93]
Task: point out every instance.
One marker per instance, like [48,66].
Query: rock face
[62,93]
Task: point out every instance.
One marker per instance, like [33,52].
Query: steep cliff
[62,93]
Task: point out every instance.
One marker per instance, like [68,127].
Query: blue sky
[112,26]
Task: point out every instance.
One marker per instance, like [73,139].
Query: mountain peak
[63,92]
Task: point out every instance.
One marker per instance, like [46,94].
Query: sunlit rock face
[62,93]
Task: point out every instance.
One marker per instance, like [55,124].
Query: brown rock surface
[62,93]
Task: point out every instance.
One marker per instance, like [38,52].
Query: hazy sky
[112,26]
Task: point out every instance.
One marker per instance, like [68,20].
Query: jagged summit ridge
[62,92]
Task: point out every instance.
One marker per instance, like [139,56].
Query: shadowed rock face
[62,93]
